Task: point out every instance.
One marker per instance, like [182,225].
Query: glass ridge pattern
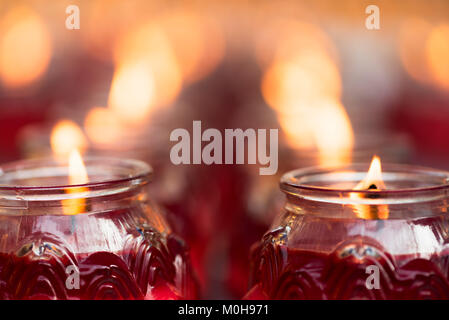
[150,266]
[283,273]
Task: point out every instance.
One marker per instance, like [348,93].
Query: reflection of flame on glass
[132,91]
[77,176]
[438,53]
[144,54]
[303,86]
[373,181]
[66,136]
[25,47]
[102,125]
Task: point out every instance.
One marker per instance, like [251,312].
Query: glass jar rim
[135,170]
[293,181]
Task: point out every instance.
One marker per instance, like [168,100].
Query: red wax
[283,273]
[142,270]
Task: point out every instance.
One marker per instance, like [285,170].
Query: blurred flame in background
[138,56]
[197,40]
[146,46]
[25,47]
[424,50]
[413,33]
[65,137]
[132,91]
[153,60]
[303,85]
[438,55]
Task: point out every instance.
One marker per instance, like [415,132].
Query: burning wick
[372,181]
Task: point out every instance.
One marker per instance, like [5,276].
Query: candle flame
[197,40]
[302,83]
[437,48]
[372,181]
[147,74]
[77,169]
[25,47]
[132,91]
[413,34]
[373,177]
[77,175]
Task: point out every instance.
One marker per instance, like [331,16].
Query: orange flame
[77,175]
[372,181]
[303,86]
[65,137]
[197,40]
[373,177]
[332,132]
[437,53]
[132,91]
[413,34]
[147,72]
[25,47]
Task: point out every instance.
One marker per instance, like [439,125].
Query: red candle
[344,235]
[93,236]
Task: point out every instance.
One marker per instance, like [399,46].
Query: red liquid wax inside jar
[149,265]
[104,240]
[335,241]
[347,273]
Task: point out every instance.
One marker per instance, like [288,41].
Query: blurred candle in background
[336,91]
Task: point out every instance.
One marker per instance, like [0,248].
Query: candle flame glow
[132,91]
[147,74]
[25,47]
[372,181]
[77,175]
[77,169]
[302,83]
[373,177]
[437,48]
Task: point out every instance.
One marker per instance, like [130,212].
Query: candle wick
[372,187]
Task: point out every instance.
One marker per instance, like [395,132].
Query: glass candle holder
[263,199]
[101,240]
[334,242]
